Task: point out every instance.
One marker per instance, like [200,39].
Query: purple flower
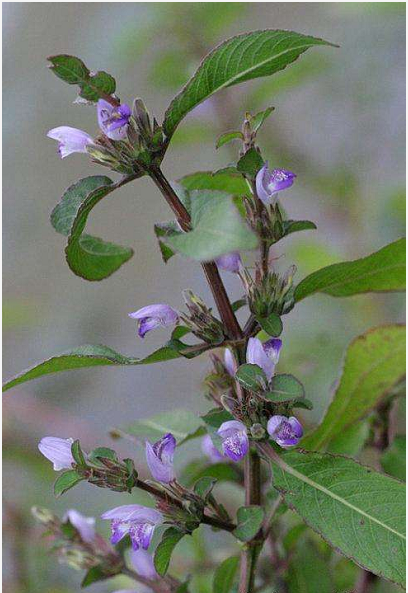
[235,443]
[143,564]
[137,521]
[84,525]
[264,355]
[159,458]
[113,121]
[285,431]
[209,449]
[268,183]
[229,362]
[70,140]
[58,451]
[154,316]
[230,262]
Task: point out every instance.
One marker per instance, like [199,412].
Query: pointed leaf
[164,550]
[94,574]
[65,481]
[93,85]
[250,163]
[284,388]
[251,376]
[374,363]
[241,58]
[258,119]
[230,182]
[272,325]
[228,137]
[382,271]
[294,226]
[359,512]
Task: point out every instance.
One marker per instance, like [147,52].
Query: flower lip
[257,354]
[70,140]
[58,451]
[143,564]
[113,121]
[137,521]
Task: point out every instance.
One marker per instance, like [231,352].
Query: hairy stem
[157,493]
[221,299]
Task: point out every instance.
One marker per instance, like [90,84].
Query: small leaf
[303,403]
[358,511]
[249,522]
[164,550]
[164,229]
[294,226]
[237,305]
[250,163]
[244,57]
[272,324]
[94,574]
[382,271]
[251,376]
[374,363]
[217,228]
[93,85]
[228,137]
[103,452]
[284,388]
[259,119]
[77,454]
[224,575]
[204,486]
[65,481]
[393,460]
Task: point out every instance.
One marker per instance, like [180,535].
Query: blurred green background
[338,124]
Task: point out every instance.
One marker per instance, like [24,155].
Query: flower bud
[159,458]
[58,451]
[268,182]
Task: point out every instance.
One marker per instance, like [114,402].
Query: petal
[165,447]
[230,427]
[146,325]
[296,427]
[273,424]
[132,512]
[286,443]
[142,562]
[280,179]
[236,446]
[119,530]
[161,311]
[230,362]
[210,450]
[256,354]
[261,189]
[230,262]
[141,535]
[160,470]
[58,451]
[272,349]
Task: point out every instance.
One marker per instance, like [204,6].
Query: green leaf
[103,452]
[382,271]
[165,229]
[72,70]
[77,454]
[87,256]
[164,550]
[393,460]
[230,182]
[204,486]
[272,324]
[228,137]
[258,119]
[284,388]
[250,163]
[303,403]
[351,440]
[252,377]
[94,574]
[244,57]
[308,571]
[249,522]
[65,481]
[217,228]
[374,363]
[358,511]
[87,356]
[294,226]
[224,575]
[183,425]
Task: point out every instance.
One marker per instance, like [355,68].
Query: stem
[249,555]
[221,299]
[156,492]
